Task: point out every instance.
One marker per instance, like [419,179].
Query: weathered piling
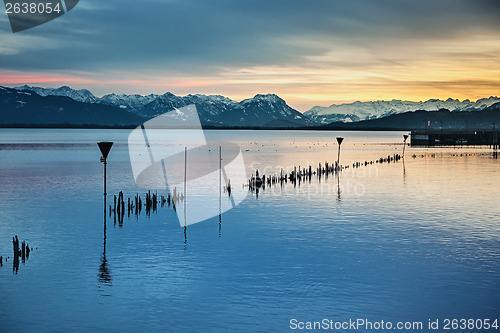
[15,244]
[120,209]
[136,202]
[23,251]
[17,254]
[148,203]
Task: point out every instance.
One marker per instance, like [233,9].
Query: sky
[314,52]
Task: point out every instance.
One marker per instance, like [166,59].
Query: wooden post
[15,244]
[23,251]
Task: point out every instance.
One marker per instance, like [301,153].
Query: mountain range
[214,110]
[60,106]
[358,111]
[485,120]
[24,107]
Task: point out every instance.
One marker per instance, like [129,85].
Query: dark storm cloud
[198,35]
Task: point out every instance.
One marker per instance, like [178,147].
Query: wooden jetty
[430,138]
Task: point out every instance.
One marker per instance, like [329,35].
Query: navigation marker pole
[339,140]
[104,147]
[405,137]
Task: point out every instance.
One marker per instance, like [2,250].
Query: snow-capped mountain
[219,110]
[208,107]
[129,102]
[262,110]
[82,95]
[28,108]
[372,110]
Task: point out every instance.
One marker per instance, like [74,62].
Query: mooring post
[23,251]
[17,251]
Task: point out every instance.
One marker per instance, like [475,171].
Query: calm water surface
[392,242]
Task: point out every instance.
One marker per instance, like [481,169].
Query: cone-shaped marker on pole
[339,140]
[104,147]
[404,144]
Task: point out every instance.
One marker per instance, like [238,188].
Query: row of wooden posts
[257,181]
[23,252]
[135,204]
[300,174]
[296,176]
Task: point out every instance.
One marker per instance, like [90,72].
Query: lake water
[397,242]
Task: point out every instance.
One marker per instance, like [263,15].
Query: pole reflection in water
[15,264]
[220,188]
[404,172]
[220,225]
[105,277]
[339,198]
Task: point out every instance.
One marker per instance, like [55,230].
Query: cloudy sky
[308,52]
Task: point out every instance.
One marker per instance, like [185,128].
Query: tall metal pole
[105,201]
[220,188]
[185,180]
[338,159]
[220,177]
[105,179]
